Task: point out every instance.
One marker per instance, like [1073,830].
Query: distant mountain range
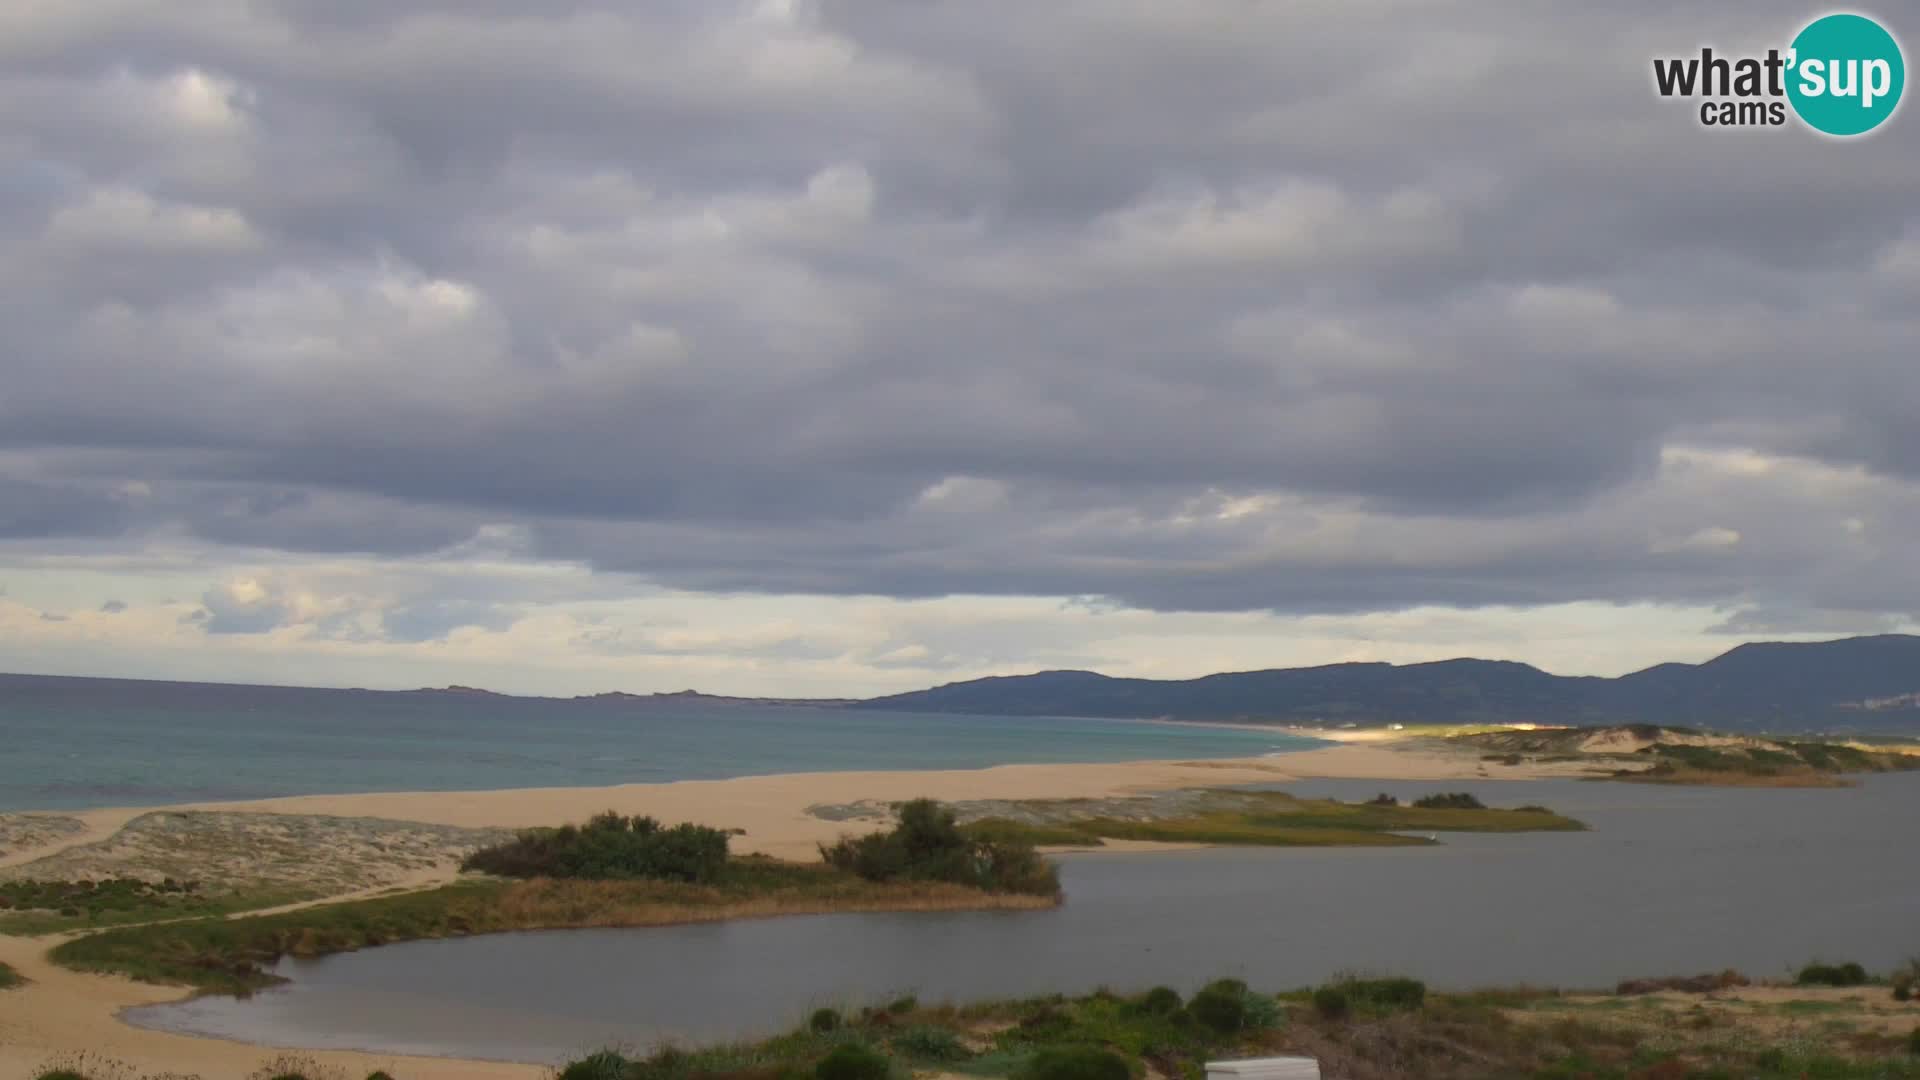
[1864,684]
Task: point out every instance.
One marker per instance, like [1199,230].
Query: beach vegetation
[31,906]
[927,844]
[1075,1063]
[824,1020]
[1161,1001]
[1390,1027]
[9,978]
[1265,818]
[1456,800]
[1847,974]
[853,1061]
[609,847]
[236,955]
[1381,995]
[1331,1002]
[602,1065]
[928,1042]
[1227,1006]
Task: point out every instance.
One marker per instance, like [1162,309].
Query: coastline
[63,1011]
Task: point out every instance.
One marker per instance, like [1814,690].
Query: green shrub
[1848,974]
[932,1044]
[605,1065]
[1457,800]
[609,847]
[1221,1005]
[1161,1001]
[380,1074]
[1913,1041]
[903,1004]
[853,1061]
[824,1020]
[928,845]
[1385,995]
[1331,1002]
[1263,1012]
[1383,799]
[1074,1063]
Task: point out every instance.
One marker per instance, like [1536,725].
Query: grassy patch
[9,978]
[1267,818]
[234,955]
[30,908]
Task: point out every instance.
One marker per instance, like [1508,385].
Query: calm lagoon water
[77,743]
[1670,880]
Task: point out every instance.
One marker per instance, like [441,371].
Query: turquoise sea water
[77,743]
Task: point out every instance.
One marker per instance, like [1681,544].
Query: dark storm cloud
[1312,307]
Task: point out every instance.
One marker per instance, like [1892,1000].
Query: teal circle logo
[1845,74]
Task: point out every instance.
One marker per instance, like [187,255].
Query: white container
[1273,1068]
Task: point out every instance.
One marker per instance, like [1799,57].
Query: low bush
[1383,799]
[824,1020]
[903,1004]
[1913,1041]
[604,1065]
[1456,800]
[1848,974]
[1074,1063]
[931,1044]
[1345,996]
[1221,1006]
[609,847]
[1161,1001]
[853,1061]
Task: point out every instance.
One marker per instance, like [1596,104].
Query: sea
[71,743]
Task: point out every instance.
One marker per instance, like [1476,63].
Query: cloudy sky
[844,347]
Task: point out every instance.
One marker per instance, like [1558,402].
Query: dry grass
[581,904]
[282,856]
[23,832]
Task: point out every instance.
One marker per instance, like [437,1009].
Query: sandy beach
[61,1011]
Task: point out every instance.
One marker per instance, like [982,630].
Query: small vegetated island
[1232,817]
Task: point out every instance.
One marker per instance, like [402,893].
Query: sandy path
[67,1011]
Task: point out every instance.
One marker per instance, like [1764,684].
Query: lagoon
[1669,880]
